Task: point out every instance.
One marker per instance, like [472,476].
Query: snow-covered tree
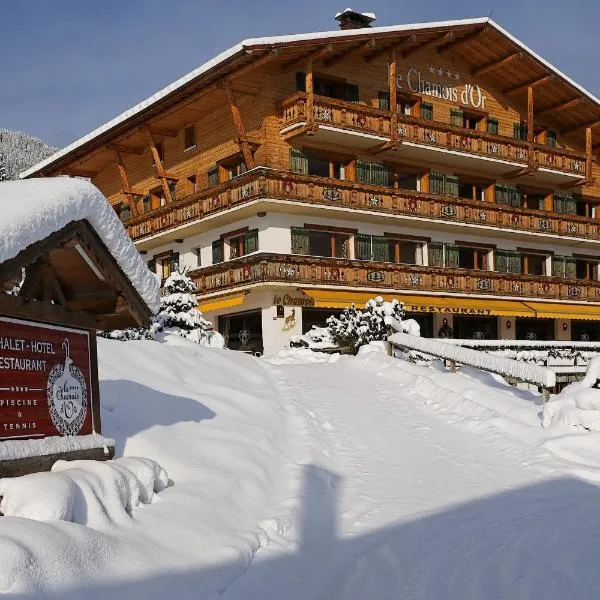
[3,169]
[354,328]
[19,151]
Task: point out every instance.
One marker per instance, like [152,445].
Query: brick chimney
[350,19]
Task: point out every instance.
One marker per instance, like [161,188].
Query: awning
[221,302]
[425,304]
[553,310]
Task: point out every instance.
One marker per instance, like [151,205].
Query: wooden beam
[314,55]
[492,66]
[530,125]
[393,92]
[239,127]
[125,182]
[80,173]
[334,60]
[124,149]
[245,88]
[523,87]
[266,57]
[436,41]
[463,40]
[310,94]
[162,131]
[589,158]
[579,127]
[160,171]
[396,46]
[560,106]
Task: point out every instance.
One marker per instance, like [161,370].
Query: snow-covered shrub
[578,404]
[177,315]
[355,328]
[318,338]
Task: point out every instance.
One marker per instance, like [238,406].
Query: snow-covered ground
[315,477]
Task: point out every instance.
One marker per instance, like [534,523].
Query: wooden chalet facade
[444,164]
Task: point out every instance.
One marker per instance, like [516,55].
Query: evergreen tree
[3,170]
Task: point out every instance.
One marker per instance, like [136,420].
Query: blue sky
[68,66]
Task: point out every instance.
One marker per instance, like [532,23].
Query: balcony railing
[366,119]
[305,189]
[309,270]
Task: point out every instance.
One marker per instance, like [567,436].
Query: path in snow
[399,504]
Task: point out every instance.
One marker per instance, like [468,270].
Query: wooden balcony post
[160,170]
[310,98]
[588,154]
[393,96]
[530,126]
[125,181]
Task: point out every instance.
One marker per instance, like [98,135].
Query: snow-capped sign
[46,384]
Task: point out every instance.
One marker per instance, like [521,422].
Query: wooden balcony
[315,271]
[419,136]
[308,190]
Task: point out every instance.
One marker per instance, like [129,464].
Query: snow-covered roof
[274,41]
[33,209]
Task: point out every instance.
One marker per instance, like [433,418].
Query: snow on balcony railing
[529,344]
[522,371]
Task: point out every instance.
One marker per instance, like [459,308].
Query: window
[351,93]
[564,203]
[191,184]
[492,125]
[172,186]
[300,82]
[443,184]
[407,181]
[319,164]
[189,136]
[217,252]
[427,111]
[213,176]
[329,87]
[373,173]
[125,212]
[470,190]
[242,244]
[564,266]
[520,131]
[551,138]
[384,100]
[507,261]
[237,169]
[167,264]
[473,258]
[406,252]
[320,243]
[372,247]
[534,263]
[152,265]
[534,200]
[147,203]
[510,195]
[157,197]
[198,253]
[441,255]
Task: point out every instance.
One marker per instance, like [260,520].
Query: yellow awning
[554,310]
[424,304]
[221,302]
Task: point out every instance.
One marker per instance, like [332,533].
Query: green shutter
[299,160]
[147,203]
[436,182]
[300,82]
[172,191]
[451,185]
[213,176]
[426,110]
[514,261]
[300,240]
[457,117]
[509,195]
[551,138]
[384,100]
[514,195]
[371,173]
[217,252]
[507,261]
[500,261]
[565,203]
[492,125]
[363,247]
[570,267]
[452,256]
[558,266]
[351,93]
[436,254]
[520,131]
[251,241]
[381,248]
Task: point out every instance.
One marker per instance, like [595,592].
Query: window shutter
[551,138]
[213,176]
[558,266]
[451,185]
[452,256]
[436,254]
[125,213]
[570,267]
[351,93]
[500,193]
[379,174]
[492,125]
[501,261]
[514,261]
[147,203]
[217,252]
[251,241]
[436,182]
[457,117]
[426,110]
[381,249]
[565,203]
[514,194]
[300,240]
[172,191]
[300,82]
[299,160]
[363,246]
[520,131]
[384,100]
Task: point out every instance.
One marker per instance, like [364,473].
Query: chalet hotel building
[444,164]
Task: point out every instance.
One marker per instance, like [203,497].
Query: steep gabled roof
[493,44]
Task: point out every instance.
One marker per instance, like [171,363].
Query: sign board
[46,383]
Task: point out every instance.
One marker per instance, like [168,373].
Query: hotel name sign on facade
[469,94]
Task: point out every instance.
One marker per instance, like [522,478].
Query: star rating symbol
[457,76]
[440,71]
[449,74]
[431,69]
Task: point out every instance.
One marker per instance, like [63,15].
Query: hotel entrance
[534,329]
[243,332]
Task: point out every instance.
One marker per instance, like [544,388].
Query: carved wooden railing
[306,189]
[308,270]
[366,119]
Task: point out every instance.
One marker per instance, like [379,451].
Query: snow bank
[578,405]
[83,491]
[33,209]
[488,362]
